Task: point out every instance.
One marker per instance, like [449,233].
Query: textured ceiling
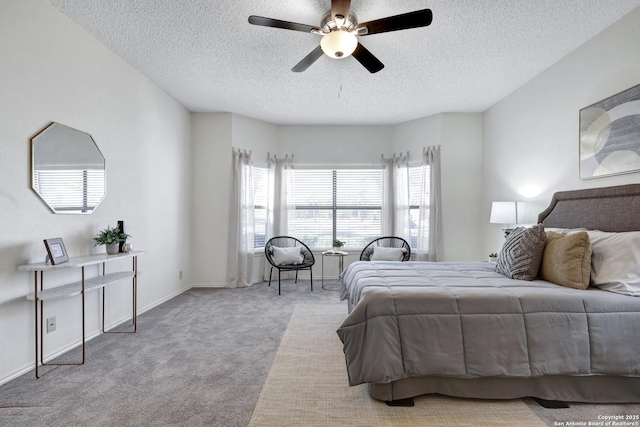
[207,56]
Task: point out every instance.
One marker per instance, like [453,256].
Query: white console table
[80,287]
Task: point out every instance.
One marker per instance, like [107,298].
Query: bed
[466,330]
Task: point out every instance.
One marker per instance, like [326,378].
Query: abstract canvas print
[610,135]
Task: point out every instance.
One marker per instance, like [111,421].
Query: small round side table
[340,255]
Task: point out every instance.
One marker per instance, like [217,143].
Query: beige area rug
[307,386]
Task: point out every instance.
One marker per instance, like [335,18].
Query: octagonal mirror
[67,169]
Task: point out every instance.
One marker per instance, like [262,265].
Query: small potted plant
[493,257]
[338,243]
[111,237]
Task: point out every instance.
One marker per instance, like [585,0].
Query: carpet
[307,386]
[199,359]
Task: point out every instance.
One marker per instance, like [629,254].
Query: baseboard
[29,367]
[209,285]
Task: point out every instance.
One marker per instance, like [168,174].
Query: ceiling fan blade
[419,18]
[277,23]
[340,8]
[367,59]
[308,60]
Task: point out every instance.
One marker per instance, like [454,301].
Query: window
[344,204]
[415,189]
[260,195]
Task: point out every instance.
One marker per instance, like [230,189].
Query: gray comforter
[412,319]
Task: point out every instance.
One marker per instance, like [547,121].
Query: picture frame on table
[56,251]
[610,135]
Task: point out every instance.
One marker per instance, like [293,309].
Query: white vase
[493,258]
[113,248]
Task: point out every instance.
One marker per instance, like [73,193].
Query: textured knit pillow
[566,260]
[521,253]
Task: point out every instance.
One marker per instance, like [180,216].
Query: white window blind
[415,189]
[344,204]
[260,195]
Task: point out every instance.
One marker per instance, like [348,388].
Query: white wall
[52,70]
[211,174]
[213,136]
[460,138]
[531,136]
[336,145]
[255,135]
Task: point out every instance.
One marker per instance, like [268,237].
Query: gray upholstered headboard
[606,209]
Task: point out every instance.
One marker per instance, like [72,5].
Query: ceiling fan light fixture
[339,44]
[340,30]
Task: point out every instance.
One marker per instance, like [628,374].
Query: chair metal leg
[270,274]
[296,281]
[311,276]
[278,281]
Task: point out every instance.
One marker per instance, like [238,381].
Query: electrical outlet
[51,324]
[180,275]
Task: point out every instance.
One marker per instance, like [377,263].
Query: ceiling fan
[339,29]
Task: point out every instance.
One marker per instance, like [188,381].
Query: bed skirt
[588,389]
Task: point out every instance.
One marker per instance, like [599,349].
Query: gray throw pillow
[521,253]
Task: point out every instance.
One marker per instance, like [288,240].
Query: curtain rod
[394,155]
[275,156]
[424,150]
[241,150]
[430,147]
[337,166]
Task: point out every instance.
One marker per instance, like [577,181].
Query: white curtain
[421,192]
[280,209]
[430,209]
[241,222]
[396,220]
[387,197]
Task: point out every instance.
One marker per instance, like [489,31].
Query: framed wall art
[610,135]
[56,251]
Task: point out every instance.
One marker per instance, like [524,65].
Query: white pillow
[564,231]
[381,253]
[615,261]
[288,255]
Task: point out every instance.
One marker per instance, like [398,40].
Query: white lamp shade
[339,44]
[504,213]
